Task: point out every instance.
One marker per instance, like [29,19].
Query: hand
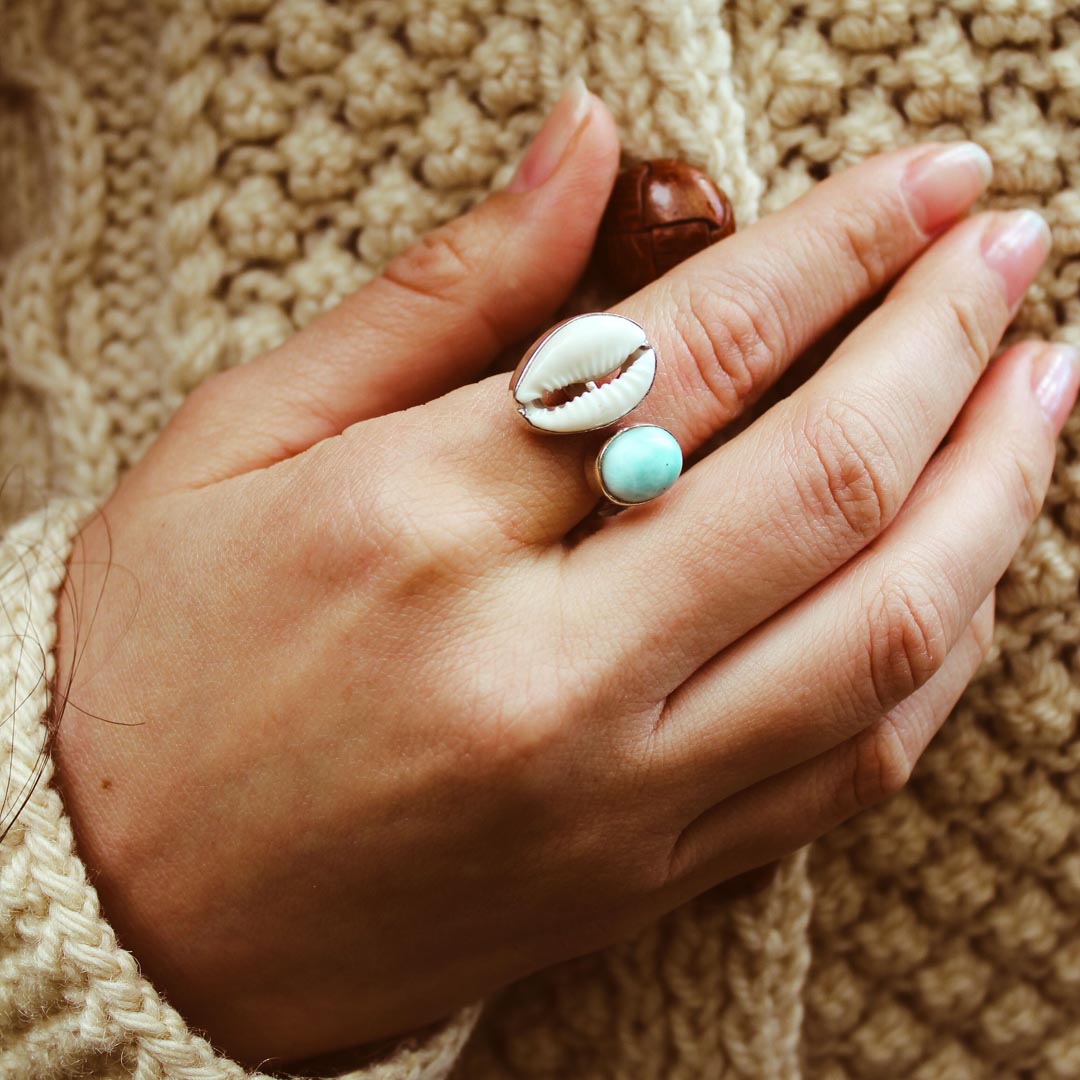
[384,740]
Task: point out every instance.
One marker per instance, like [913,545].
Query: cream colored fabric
[185,183]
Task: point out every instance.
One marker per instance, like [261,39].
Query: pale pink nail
[1055,377]
[942,183]
[550,144]
[1016,246]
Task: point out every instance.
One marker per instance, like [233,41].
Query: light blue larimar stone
[639,463]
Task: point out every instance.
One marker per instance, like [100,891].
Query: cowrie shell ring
[586,373]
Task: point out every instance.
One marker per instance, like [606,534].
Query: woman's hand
[385,740]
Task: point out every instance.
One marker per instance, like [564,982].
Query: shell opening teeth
[572,391]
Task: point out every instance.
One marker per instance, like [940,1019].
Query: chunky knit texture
[185,183]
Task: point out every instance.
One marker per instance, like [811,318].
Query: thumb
[434,319]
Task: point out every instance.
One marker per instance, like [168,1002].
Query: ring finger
[850,650]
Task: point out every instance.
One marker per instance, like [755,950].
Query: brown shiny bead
[660,212]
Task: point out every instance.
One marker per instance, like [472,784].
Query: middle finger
[771,513]
[726,323]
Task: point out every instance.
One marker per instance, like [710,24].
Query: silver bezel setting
[595,477]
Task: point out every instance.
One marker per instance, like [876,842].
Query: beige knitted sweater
[185,183]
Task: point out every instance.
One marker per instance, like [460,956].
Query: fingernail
[1055,378]
[547,149]
[941,184]
[1016,245]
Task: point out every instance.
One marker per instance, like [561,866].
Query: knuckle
[440,267]
[1026,479]
[510,740]
[844,471]
[866,241]
[387,525]
[968,326]
[732,338]
[908,639]
[506,742]
[435,265]
[426,548]
[382,528]
[881,766]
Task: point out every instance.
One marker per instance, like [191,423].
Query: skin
[389,730]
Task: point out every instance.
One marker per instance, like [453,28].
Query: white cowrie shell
[581,350]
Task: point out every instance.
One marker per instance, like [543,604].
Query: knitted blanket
[184,183]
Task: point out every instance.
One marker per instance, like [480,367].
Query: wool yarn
[188,181]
